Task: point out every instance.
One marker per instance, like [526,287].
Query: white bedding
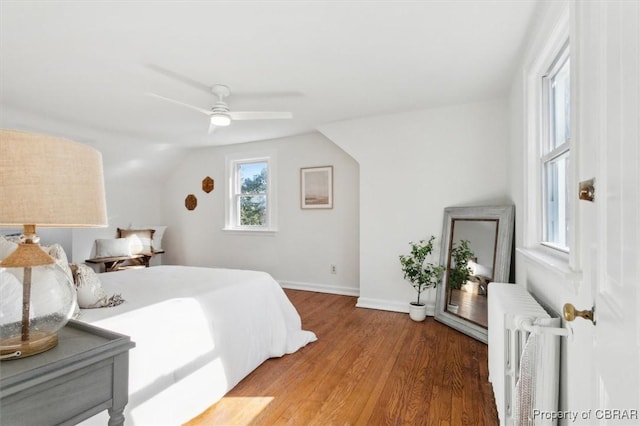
[198,332]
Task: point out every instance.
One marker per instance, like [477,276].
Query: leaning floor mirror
[476,251]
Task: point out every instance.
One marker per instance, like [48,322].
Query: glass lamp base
[15,347]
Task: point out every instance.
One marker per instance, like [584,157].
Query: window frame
[234,194]
[554,36]
[549,151]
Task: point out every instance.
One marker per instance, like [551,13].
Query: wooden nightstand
[87,372]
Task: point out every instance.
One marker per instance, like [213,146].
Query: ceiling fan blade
[212,127]
[266,95]
[177,76]
[202,110]
[259,115]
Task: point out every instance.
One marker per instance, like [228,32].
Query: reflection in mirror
[476,249]
[470,268]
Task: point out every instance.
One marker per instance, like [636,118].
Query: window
[555,153]
[251,194]
[551,214]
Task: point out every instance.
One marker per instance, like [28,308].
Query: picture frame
[316,187]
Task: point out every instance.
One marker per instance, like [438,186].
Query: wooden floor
[368,367]
[473,307]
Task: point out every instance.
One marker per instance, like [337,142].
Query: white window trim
[231,161]
[547,48]
[546,153]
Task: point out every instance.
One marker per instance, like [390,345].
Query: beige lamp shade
[50,181]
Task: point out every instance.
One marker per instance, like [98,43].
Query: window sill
[552,260]
[247,231]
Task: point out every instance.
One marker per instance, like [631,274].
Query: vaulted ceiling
[84,69]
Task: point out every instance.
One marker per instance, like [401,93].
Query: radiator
[515,318]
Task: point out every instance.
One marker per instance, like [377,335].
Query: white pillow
[113,247]
[89,288]
[157,235]
[11,300]
[6,247]
[139,240]
[485,271]
[42,299]
[60,256]
[90,291]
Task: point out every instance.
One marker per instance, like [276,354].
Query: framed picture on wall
[316,187]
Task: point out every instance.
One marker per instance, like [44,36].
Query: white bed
[198,332]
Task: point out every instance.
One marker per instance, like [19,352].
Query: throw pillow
[90,291]
[157,235]
[60,256]
[113,247]
[139,240]
[11,300]
[56,251]
[6,247]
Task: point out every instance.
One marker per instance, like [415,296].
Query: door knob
[587,190]
[570,313]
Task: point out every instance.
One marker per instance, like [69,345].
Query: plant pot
[452,308]
[417,312]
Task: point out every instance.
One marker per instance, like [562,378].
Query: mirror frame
[502,259]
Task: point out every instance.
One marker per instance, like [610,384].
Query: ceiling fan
[220,115]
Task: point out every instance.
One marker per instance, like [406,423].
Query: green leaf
[421,275]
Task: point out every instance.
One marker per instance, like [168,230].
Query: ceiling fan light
[220,119]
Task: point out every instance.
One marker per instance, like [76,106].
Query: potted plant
[422,275]
[459,269]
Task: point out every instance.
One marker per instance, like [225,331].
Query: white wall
[128,201]
[308,241]
[412,166]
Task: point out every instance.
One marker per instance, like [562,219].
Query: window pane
[252,178]
[253,210]
[560,106]
[556,197]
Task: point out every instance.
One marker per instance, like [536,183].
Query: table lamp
[51,182]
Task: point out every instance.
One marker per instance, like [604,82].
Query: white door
[609,34]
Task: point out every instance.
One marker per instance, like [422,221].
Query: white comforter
[198,332]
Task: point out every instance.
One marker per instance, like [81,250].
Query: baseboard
[386,305]
[363,302]
[320,288]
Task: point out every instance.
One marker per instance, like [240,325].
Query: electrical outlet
[333,269]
